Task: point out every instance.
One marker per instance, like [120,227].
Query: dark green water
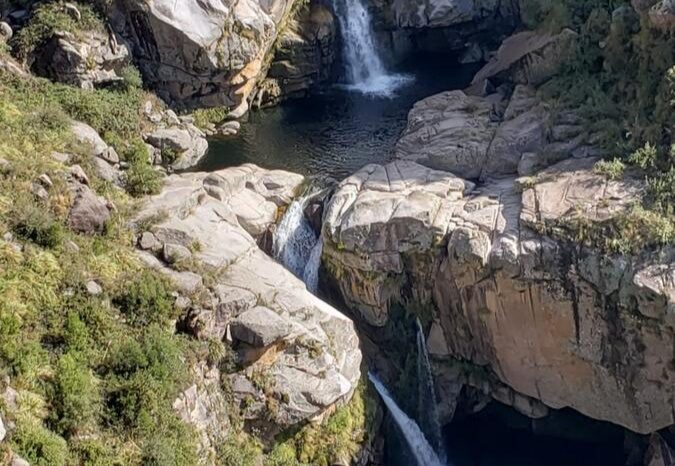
[337,131]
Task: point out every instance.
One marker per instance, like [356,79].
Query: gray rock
[61,157]
[148,241]
[72,11]
[39,191]
[88,214]
[110,156]
[5,166]
[186,142]
[45,181]
[175,253]
[18,461]
[87,135]
[259,327]
[3,431]
[229,128]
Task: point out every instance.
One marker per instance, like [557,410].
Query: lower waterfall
[417,443]
[427,403]
[296,245]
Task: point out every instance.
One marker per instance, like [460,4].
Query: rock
[529,57]
[3,431]
[39,191]
[106,172]
[317,366]
[175,253]
[88,214]
[189,146]
[450,131]
[259,327]
[85,134]
[507,288]
[93,288]
[72,11]
[204,406]
[6,32]
[5,166]
[78,173]
[303,59]
[659,453]
[87,60]
[45,181]
[472,54]
[148,241]
[201,52]
[229,128]
[18,461]
[662,15]
[110,156]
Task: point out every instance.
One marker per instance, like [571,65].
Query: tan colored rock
[565,325]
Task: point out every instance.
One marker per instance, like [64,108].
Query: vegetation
[95,375]
[621,77]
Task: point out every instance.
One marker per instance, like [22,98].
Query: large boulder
[180,146]
[87,60]
[501,275]
[201,52]
[301,357]
[483,137]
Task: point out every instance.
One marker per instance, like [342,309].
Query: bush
[48,18]
[39,446]
[144,299]
[35,223]
[610,169]
[75,396]
[205,117]
[141,178]
[132,77]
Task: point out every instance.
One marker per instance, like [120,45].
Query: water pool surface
[337,131]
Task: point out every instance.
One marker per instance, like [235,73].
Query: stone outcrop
[303,59]
[409,26]
[493,136]
[529,57]
[300,356]
[87,60]
[506,287]
[179,145]
[201,52]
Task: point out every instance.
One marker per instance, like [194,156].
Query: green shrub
[132,77]
[36,223]
[144,299]
[39,446]
[48,18]
[205,117]
[610,169]
[141,178]
[75,397]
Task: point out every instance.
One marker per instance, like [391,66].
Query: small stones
[93,288]
[78,173]
[148,241]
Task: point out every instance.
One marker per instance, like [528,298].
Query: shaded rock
[662,15]
[303,59]
[659,453]
[88,214]
[78,173]
[5,31]
[88,60]
[529,57]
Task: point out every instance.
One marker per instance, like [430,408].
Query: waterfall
[365,71]
[419,446]
[296,245]
[427,403]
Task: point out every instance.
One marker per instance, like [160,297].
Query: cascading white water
[419,446]
[296,245]
[365,71]
[428,405]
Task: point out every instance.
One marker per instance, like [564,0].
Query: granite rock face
[300,356]
[494,136]
[507,290]
[303,59]
[201,52]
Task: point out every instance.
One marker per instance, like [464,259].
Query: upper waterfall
[365,71]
